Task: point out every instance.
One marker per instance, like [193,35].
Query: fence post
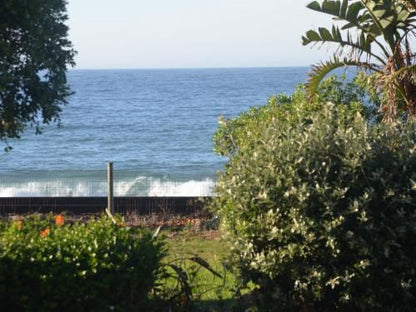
[110,200]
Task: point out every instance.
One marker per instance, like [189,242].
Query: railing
[59,196]
[92,205]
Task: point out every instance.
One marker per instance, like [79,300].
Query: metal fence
[91,191]
[93,183]
[88,205]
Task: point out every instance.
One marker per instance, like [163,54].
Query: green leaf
[325,34]
[353,11]
[344,8]
[314,6]
[331,7]
[311,36]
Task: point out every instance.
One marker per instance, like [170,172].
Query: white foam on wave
[123,188]
[188,188]
[51,188]
[140,186]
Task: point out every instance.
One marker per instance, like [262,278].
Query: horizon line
[187,68]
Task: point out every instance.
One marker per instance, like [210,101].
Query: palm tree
[375,35]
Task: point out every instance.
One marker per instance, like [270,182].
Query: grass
[209,292]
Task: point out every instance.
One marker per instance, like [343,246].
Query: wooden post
[110,193]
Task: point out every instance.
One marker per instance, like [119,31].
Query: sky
[112,34]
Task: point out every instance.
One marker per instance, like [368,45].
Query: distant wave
[189,188]
[140,186]
[145,186]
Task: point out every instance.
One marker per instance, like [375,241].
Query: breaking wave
[140,186]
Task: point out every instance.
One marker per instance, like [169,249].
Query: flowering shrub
[59,220]
[320,205]
[49,265]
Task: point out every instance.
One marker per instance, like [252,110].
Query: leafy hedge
[46,265]
[320,205]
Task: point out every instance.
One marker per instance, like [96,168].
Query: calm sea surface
[155,125]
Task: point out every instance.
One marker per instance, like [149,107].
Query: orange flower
[19,224]
[45,232]
[59,220]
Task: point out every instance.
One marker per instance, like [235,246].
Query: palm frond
[319,72]
[341,10]
[324,35]
[389,18]
[353,14]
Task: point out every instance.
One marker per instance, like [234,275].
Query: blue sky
[192,33]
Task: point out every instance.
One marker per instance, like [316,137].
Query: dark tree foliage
[34,55]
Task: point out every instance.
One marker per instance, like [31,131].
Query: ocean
[156,126]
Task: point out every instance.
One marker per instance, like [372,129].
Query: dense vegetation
[318,200]
[46,265]
[318,196]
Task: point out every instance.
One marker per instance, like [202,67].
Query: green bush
[93,266]
[320,205]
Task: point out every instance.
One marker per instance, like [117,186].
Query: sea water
[157,127]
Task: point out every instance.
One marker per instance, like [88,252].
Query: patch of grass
[209,292]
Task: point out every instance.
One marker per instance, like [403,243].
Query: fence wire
[93,183]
